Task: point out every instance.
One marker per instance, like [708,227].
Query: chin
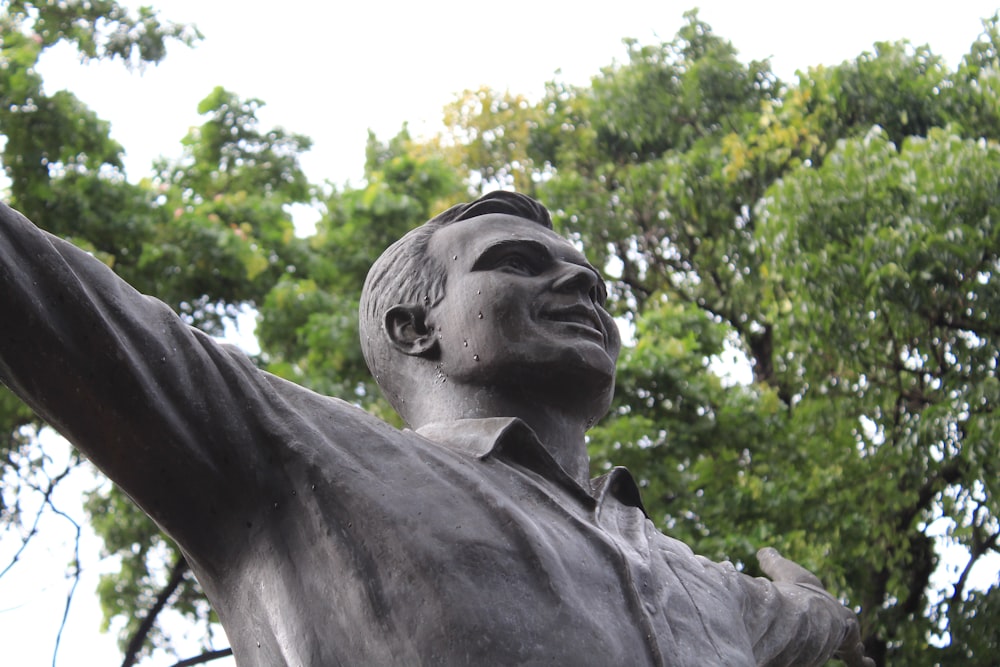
[589,367]
[587,379]
[601,407]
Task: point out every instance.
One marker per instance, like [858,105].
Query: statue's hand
[852,650]
[778,568]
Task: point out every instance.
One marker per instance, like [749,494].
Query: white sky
[333,70]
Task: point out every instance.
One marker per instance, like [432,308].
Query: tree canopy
[835,235]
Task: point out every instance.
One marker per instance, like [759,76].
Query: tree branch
[177,573]
[46,501]
[978,549]
[207,656]
[76,576]
[949,473]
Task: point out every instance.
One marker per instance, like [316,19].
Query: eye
[520,257]
[517,263]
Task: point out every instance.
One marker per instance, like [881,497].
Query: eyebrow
[541,251]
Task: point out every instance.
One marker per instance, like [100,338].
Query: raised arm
[161,408]
[794,622]
[830,616]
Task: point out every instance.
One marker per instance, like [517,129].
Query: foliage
[839,234]
[57,157]
[210,234]
[910,351]
[309,320]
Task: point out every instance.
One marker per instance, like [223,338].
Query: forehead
[466,240]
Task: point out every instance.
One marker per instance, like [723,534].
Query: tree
[209,234]
[309,320]
[909,352]
[223,238]
[838,234]
[63,169]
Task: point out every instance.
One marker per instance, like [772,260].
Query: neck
[560,431]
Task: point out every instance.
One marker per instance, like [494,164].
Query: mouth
[580,317]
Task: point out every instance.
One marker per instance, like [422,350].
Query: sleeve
[177,420]
[791,624]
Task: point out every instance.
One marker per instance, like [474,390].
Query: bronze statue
[323,536]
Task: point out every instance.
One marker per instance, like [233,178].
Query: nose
[577,278]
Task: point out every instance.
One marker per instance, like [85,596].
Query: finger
[780,568]
[856,658]
[852,650]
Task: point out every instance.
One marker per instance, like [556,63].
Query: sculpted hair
[406,274]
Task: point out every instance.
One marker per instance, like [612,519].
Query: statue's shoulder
[328,413]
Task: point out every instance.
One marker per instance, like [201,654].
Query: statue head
[486,298]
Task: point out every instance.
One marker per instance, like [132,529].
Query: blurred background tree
[803,269]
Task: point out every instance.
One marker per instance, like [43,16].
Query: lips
[577,315]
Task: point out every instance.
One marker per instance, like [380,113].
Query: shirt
[324,536]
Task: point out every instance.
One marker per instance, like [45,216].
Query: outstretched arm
[165,411]
[793,622]
[781,570]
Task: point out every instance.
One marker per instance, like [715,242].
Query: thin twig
[77,571]
[207,656]
[46,500]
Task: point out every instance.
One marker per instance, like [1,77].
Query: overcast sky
[333,70]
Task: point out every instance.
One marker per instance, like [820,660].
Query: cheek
[511,320]
[492,303]
[488,313]
[469,327]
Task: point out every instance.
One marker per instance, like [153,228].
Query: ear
[408,331]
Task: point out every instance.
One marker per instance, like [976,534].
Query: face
[523,311]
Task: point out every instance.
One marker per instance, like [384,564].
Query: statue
[323,536]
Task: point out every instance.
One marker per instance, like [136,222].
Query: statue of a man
[323,536]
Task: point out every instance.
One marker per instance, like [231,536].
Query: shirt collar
[511,439]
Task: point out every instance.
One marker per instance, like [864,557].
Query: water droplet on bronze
[454,257]
[465,343]
[480,316]
[475,357]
